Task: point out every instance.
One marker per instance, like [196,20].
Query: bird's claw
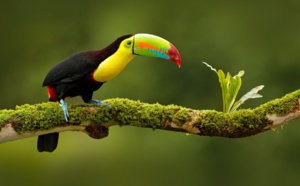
[99,102]
[64,106]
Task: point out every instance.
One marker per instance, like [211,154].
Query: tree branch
[32,120]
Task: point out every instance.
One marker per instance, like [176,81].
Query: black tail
[47,142]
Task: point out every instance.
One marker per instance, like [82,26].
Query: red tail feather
[51,93]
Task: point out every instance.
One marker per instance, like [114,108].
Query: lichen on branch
[32,120]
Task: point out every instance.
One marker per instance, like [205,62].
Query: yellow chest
[112,66]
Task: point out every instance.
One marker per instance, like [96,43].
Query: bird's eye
[128,43]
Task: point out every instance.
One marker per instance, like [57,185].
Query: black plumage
[74,77]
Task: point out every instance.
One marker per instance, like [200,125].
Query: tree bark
[32,120]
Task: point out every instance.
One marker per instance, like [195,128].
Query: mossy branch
[32,120]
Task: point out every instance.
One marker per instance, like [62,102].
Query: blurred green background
[260,37]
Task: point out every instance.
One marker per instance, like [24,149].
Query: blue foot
[64,106]
[99,102]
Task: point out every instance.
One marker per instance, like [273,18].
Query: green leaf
[230,87]
[222,81]
[252,94]
[213,69]
[233,90]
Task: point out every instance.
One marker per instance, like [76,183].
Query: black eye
[128,42]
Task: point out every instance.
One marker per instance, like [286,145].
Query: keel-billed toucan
[84,72]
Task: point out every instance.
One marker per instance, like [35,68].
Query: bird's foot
[64,106]
[99,102]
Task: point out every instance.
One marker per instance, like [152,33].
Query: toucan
[85,72]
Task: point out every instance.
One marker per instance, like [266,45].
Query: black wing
[71,69]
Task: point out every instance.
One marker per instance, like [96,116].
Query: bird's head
[122,51]
[149,45]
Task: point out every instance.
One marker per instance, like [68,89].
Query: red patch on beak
[174,55]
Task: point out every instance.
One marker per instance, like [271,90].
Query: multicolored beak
[154,46]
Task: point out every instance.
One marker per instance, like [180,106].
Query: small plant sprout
[230,87]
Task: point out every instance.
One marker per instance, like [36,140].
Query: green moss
[135,113]
[245,122]
[247,119]
[283,106]
[211,120]
[33,117]
[4,116]
[155,116]
[123,110]
[80,113]
[235,124]
[182,116]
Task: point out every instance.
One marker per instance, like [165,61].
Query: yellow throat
[115,63]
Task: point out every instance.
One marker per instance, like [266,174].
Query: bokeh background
[260,37]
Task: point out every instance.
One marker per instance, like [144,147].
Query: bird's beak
[154,46]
